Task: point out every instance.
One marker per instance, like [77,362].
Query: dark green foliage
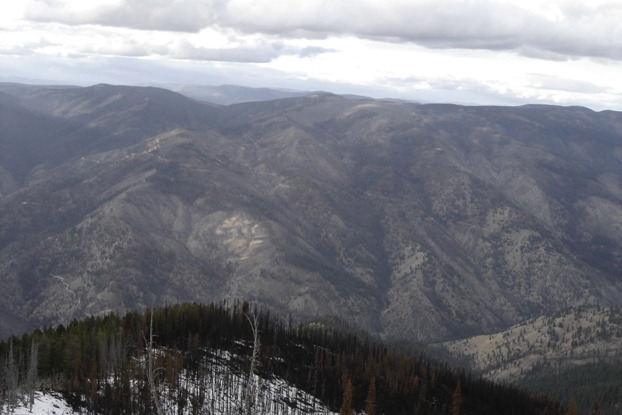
[95,360]
[602,381]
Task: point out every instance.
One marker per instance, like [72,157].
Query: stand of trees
[600,381]
[100,363]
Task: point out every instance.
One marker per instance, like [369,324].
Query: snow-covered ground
[224,387]
[220,391]
[49,403]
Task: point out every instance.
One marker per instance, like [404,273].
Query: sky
[481,52]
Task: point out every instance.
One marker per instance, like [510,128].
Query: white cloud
[555,28]
[178,15]
[555,83]
[208,45]
[490,51]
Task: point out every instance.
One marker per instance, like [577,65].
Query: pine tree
[370,402]
[596,408]
[572,407]
[346,407]
[457,401]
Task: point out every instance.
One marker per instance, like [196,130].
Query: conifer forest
[236,359]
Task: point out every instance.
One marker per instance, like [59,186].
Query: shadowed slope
[425,222]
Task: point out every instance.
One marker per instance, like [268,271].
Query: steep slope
[572,338]
[24,134]
[574,354]
[204,365]
[425,222]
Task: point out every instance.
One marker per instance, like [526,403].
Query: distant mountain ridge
[232,94]
[236,94]
[426,222]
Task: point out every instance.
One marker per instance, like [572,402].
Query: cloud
[549,30]
[310,51]
[554,83]
[242,51]
[24,48]
[177,16]
[256,52]
[441,48]
[478,24]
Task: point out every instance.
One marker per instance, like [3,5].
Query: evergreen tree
[457,400]
[572,407]
[596,408]
[346,407]
[370,402]
[103,360]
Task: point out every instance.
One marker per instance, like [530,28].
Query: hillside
[545,344]
[203,361]
[426,222]
[572,354]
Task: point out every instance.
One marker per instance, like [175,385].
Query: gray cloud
[258,52]
[476,24]
[310,51]
[263,52]
[177,16]
[554,83]
[25,48]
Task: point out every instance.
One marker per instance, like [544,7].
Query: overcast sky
[502,52]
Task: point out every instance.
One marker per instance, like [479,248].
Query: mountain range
[423,222]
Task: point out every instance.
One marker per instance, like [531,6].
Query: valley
[417,222]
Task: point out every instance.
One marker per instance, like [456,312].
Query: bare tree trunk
[11,379]
[151,372]
[32,372]
[250,390]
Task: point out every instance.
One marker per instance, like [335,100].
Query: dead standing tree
[31,381]
[251,391]
[151,372]
[11,380]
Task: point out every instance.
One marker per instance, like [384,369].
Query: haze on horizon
[497,52]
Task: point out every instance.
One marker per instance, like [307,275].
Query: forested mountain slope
[572,354]
[202,361]
[421,221]
[571,338]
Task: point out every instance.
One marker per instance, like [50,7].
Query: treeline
[100,363]
[601,381]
